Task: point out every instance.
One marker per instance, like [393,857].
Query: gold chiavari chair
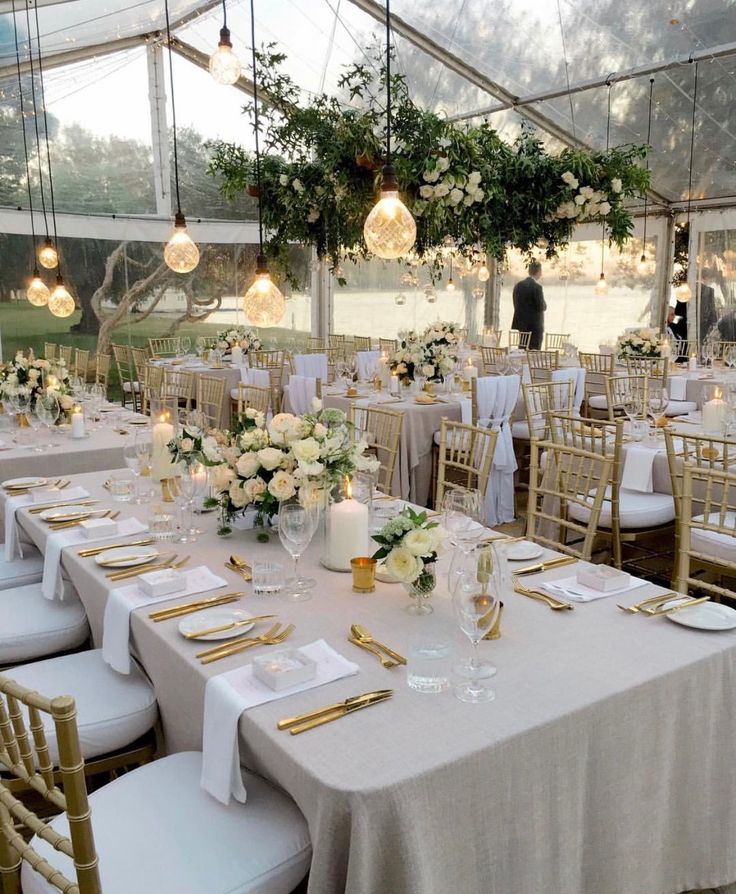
[555,341]
[336,341]
[64,352]
[102,370]
[278,364]
[381,431]
[652,367]
[519,339]
[541,363]
[180,384]
[211,399]
[152,382]
[598,367]
[388,346]
[126,373]
[315,345]
[49,350]
[465,457]
[495,360]
[622,390]
[169,346]
[540,401]
[80,364]
[252,397]
[362,343]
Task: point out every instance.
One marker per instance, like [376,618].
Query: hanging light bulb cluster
[180,252]
[643,267]
[264,305]
[389,230]
[224,64]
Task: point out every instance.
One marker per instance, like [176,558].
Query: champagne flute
[658,401]
[472,605]
[297,525]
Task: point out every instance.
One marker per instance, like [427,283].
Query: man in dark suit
[529,306]
[708,310]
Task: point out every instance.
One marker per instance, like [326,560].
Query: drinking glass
[488,569]
[199,346]
[632,406]
[268,577]
[473,605]
[297,525]
[460,512]
[186,344]
[658,401]
[190,484]
[77,386]
[48,411]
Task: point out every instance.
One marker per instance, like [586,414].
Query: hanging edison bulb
[48,256]
[61,303]
[389,230]
[37,292]
[484,274]
[450,284]
[644,265]
[601,287]
[479,293]
[180,252]
[264,305]
[683,292]
[224,64]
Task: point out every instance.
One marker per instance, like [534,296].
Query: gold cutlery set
[96,550]
[362,638]
[36,509]
[539,595]
[74,519]
[303,722]
[274,636]
[241,567]
[176,611]
[664,604]
[20,491]
[170,561]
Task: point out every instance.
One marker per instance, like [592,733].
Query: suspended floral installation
[470,191]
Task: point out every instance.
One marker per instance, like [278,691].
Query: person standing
[707,297]
[529,306]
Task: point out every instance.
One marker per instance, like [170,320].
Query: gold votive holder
[352,392]
[466,384]
[429,387]
[495,631]
[364,574]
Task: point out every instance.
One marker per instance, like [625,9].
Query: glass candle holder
[164,427]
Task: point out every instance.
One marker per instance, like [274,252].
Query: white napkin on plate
[569,588]
[228,695]
[13,504]
[638,466]
[123,600]
[52,584]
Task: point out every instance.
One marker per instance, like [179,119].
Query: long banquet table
[605,764]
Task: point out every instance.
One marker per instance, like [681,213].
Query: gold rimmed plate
[23,483]
[66,513]
[127,556]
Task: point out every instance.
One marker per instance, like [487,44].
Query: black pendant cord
[608,140]
[261,257]
[25,143]
[388,83]
[35,122]
[46,138]
[224,14]
[649,145]
[179,215]
[692,147]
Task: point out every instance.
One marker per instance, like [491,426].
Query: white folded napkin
[677,387]
[569,588]
[52,584]
[228,695]
[123,600]
[638,467]
[13,504]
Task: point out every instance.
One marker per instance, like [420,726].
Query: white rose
[211,450]
[311,495]
[186,445]
[402,565]
[270,458]
[432,176]
[419,542]
[283,180]
[441,190]
[579,199]
[426,191]
[254,489]
[474,177]
[298,186]
[313,215]
[587,191]
[616,184]
[320,431]
[428,370]
[443,163]
[306,451]
[456,196]
[66,402]
[468,200]
[282,486]
[248,465]
[237,495]
[280,426]
[479,195]
[604,208]
[570,179]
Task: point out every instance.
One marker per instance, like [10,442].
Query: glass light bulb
[450,285]
[48,256]
[264,305]
[643,266]
[180,252]
[601,287]
[389,230]
[61,303]
[479,293]
[224,65]
[683,292]
[38,292]
[484,274]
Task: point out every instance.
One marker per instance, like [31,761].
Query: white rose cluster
[587,203]
[452,190]
[645,342]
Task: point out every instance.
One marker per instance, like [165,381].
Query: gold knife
[96,550]
[335,715]
[36,509]
[544,566]
[369,697]
[219,629]
[108,563]
[163,614]
[661,609]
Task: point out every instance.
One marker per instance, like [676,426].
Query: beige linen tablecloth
[230,373]
[604,766]
[413,473]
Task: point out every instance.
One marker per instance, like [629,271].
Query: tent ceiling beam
[6,6]
[454,63]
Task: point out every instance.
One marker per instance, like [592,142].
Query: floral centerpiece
[433,354]
[240,336]
[640,343]
[22,376]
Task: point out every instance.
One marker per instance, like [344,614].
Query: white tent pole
[159,130]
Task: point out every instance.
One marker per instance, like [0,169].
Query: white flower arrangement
[453,190]
[36,377]
[408,543]
[433,354]
[241,336]
[584,202]
[640,343]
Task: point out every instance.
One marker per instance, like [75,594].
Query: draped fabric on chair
[366,361]
[302,391]
[576,375]
[314,365]
[497,396]
[258,377]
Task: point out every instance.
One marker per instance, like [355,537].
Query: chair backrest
[621,390]
[253,397]
[541,361]
[519,339]
[697,451]
[180,384]
[495,360]
[597,363]
[465,457]
[493,397]
[49,350]
[316,365]
[140,358]
[381,430]
[315,345]
[553,341]
[302,390]
[388,345]
[152,382]
[64,352]
[24,755]
[211,399]
[362,343]
[170,346]
[541,400]
[126,370]
[102,369]
[266,359]
[80,364]
[654,367]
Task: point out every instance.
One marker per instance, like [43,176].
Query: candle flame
[164,417]
[77,409]
[717,394]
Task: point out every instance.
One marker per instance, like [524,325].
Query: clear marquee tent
[551,63]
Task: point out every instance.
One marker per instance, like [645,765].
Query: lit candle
[163,432]
[237,355]
[470,371]
[714,414]
[394,384]
[693,364]
[77,423]
[51,382]
[666,350]
[348,533]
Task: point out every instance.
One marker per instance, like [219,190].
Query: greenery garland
[471,193]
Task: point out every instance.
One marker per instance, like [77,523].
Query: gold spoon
[242,567]
[363,635]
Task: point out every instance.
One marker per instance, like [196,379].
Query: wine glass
[48,410]
[473,606]
[632,405]
[658,401]
[186,344]
[190,485]
[460,513]
[297,525]
[200,345]
[143,447]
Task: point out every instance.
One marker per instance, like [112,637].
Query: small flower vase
[421,590]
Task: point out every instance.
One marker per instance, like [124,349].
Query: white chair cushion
[31,626]
[20,572]
[598,401]
[234,393]
[680,407]
[128,386]
[156,830]
[636,510]
[113,709]
[520,429]
[713,543]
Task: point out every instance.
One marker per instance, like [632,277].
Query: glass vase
[421,591]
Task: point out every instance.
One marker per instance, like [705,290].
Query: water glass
[122,486]
[429,657]
[162,525]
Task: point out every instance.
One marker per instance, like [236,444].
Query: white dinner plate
[24,482]
[523,551]
[66,513]
[127,556]
[706,616]
[215,617]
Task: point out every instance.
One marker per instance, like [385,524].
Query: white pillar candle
[693,364]
[162,433]
[714,416]
[394,384]
[348,533]
[666,350]
[77,423]
[470,371]
[237,355]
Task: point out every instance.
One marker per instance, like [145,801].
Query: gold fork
[263,640]
[62,526]
[245,638]
[649,602]
[554,604]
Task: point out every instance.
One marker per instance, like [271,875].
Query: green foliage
[467,188]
